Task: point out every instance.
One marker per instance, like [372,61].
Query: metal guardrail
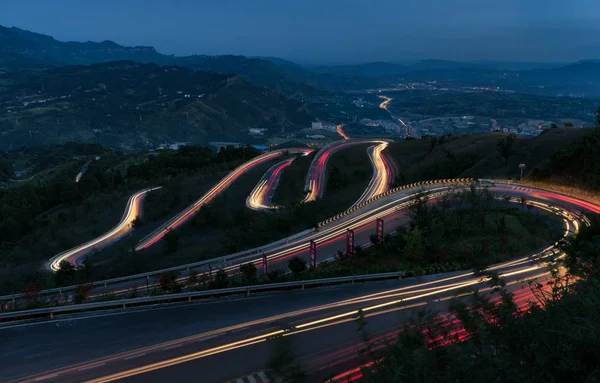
[189,296]
[393,191]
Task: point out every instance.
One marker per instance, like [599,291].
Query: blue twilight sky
[327,31]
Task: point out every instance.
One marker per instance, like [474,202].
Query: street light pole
[522,167]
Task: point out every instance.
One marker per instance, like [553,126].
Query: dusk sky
[327,31]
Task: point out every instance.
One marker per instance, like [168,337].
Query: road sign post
[379,231]
[350,242]
[313,255]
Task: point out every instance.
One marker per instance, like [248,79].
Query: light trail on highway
[315,180]
[133,209]
[261,197]
[315,318]
[308,320]
[333,232]
[382,174]
[385,103]
[340,130]
[189,212]
[334,314]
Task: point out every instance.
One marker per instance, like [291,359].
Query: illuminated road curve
[331,237]
[320,322]
[384,105]
[340,130]
[382,173]
[132,210]
[206,335]
[189,212]
[315,180]
[261,197]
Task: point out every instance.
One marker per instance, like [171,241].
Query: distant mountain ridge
[133,106]
[28,50]
[48,52]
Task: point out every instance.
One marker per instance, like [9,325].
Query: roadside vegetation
[554,339]
[477,155]
[40,219]
[576,165]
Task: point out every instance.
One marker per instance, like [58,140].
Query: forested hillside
[130,106]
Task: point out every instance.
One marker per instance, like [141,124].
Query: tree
[583,250]
[248,271]
[296,265]
[568,124]
[221,280]
[432,143]
[506,146]
[192,278]
[86,268]
[171,241]
[418,211]
[65,273]
[500,224]
[168,282]
[137,222]
[82,292]
[414,243]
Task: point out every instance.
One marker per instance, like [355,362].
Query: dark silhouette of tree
[296,265]
[221,280]
[418,210]
[168,282]
[82,293]
[248,271]
[65,274]
[86,269]
[506,147]
[137,222]
[192,278]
